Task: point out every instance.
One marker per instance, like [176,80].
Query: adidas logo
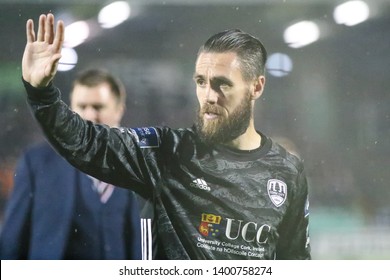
[200,184]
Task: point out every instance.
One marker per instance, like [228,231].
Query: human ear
[258,87]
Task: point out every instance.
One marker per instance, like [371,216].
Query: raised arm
[43,51]
[109,154]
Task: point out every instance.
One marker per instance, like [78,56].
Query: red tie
[103,189]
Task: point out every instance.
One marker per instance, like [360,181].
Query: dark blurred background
[328,100]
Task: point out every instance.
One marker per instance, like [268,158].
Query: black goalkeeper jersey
[211,202]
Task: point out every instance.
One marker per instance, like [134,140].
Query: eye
[224,86]
[200,82]
[98,107]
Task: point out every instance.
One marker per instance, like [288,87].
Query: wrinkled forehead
[212,63]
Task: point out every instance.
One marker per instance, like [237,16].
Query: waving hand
[43,51]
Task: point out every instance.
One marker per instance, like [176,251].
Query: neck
[249,140]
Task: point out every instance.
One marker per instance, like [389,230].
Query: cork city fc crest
[210,225]
[277,191]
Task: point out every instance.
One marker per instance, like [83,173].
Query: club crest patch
[146,137]
[277,191]
[210,225]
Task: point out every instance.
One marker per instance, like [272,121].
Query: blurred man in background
[58,212]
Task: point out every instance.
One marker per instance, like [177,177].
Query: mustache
[210,108]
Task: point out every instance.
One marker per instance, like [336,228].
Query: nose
[211,95]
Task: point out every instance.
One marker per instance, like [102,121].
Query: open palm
[42,52]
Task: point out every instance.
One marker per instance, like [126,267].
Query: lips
[211,112]
[210,115]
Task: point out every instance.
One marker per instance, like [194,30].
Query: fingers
[49,28]
[41,28]
[30,31]
[59,36]
[46,31]
[46,28]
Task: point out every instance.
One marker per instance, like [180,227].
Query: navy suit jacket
[41,208]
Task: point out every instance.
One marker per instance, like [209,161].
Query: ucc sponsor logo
[250,231]
[214,225]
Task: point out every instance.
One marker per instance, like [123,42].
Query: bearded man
[221,189]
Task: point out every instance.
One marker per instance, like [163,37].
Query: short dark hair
[250,50]
[95,77]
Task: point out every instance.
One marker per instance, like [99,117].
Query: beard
[224,128]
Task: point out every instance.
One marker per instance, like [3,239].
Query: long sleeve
[294,238]
[109,154]
[15,235]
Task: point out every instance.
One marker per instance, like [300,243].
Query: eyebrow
[217,79]
[197,76]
